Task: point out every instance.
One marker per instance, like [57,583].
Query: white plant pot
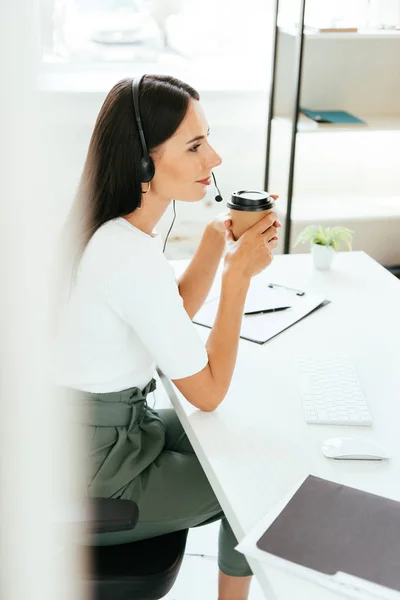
[322,256]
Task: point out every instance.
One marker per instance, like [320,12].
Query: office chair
[144,570]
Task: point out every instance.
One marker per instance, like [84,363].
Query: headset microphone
[218,198]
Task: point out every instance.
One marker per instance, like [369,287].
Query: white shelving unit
[358,72]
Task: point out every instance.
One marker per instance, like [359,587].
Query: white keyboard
[331,392]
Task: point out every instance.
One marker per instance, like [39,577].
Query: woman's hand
[221,223]
[252,252]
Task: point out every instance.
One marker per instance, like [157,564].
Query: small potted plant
[325,242]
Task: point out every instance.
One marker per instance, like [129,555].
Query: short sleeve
[146,296]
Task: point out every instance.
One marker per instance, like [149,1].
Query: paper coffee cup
[246,208]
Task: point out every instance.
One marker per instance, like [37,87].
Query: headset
[147,168]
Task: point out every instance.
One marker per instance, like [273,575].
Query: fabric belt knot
[142,394]
[139,396]
[129,407]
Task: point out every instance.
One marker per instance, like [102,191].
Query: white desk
[256,446]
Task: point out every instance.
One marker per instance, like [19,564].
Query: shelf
[343,208]
[362,34]
[372,123]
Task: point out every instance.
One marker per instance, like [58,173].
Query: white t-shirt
[124,316]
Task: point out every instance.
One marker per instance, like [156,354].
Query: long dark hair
[110,184]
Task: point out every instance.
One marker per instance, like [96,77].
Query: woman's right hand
[252,252]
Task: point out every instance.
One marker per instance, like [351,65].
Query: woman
[126,312]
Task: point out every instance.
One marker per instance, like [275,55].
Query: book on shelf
[335,117]
[316,29]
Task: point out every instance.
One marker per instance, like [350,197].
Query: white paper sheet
[262,297]
[262,327]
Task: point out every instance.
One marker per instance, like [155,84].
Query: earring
[148,187]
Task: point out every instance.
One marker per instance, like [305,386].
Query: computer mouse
[354,449]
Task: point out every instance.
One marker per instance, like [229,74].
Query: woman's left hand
[221,223]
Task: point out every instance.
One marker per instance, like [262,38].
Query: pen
[298,292]
[268,310]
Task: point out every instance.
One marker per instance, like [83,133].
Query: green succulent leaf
[326,236]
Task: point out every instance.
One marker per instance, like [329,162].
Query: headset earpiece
[147,168]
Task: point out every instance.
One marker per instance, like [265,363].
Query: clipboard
[263,326]
[340,537]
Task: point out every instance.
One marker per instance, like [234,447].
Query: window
[104,30]
[218,42]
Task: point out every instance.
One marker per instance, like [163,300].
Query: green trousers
[144,455]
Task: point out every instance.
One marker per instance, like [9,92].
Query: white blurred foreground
[38,468]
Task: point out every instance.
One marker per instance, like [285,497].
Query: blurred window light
[218,38]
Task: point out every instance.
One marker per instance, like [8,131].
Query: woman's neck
[150,212]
